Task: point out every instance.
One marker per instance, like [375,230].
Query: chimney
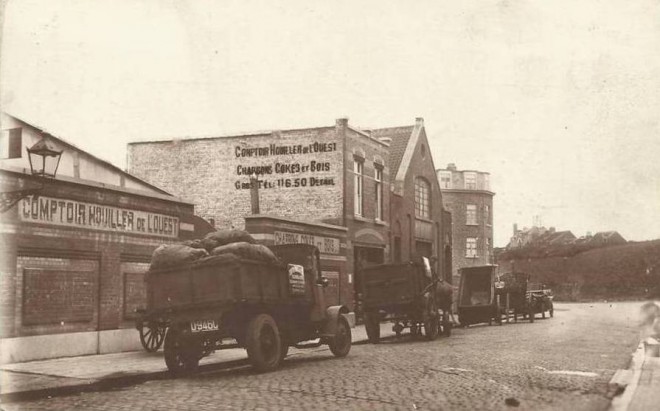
[451,166]
[341,122]
[419,121]
[552,229]
[515,228]
[254,193]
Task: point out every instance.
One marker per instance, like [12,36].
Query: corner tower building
[467,195]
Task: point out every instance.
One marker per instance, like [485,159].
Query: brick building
[420,224]
[467,195]
[338,175]
[74,256]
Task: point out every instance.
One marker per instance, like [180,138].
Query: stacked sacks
[247,251]
[169,255]
[237,242]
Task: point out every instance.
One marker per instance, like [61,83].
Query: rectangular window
[471,214]
[378,178]
[358,169]
[487,182]
[487,250]
[422,198]
[10,143]
[471,247]
[470,180]
[487,214]
[445,179]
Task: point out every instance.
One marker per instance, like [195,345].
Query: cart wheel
[263,343]
[372,325]
[431,328]
[340,345]
[152,336]
[180,357]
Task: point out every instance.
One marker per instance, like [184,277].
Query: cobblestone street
[557,363]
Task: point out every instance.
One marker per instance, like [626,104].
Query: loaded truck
[227,301]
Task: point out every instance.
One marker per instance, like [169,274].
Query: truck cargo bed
[218,280]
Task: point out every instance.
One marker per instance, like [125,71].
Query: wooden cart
[512,296]
[477,301]
[409,295]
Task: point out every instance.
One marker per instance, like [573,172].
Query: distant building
[467,196]
[602,238]
[539,237]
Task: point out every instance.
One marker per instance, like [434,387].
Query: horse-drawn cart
[409,295]
[477,301]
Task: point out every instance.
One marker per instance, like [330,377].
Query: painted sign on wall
[304,165]
[326,245]
[70,213]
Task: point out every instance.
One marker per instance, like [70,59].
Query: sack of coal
[246,250]
[224,237]
[194,243]
[170,255]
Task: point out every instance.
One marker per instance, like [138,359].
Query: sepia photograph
[330,205]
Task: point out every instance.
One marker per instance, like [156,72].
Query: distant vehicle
[410,295]
[260,306]
[477,301]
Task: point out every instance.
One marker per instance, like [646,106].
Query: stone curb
[108,383]
[624,382]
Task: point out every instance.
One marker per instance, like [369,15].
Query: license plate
[203,325]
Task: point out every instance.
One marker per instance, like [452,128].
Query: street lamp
[44,152]
[44,161]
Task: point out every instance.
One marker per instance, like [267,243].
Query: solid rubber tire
[263,343]
[340,344]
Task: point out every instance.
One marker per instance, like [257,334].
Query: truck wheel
[431,328]
[372,325]
[180,357]
[340,344]
[263,343]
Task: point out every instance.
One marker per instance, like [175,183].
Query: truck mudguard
[332,315]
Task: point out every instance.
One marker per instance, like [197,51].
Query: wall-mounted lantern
[44,161]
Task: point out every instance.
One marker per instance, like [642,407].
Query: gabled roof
[399,137]
[73,147]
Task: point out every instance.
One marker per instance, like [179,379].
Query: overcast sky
[558,100]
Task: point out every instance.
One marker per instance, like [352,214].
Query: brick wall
[61,279]
[403,211]
[456,203]
[305,182]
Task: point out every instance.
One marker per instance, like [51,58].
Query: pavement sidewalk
[641,382]
[60,376]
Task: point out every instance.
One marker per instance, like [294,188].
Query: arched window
[422,198]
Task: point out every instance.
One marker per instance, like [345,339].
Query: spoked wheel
[263,343]
[340,345]
[181,357]
[152,336]
[372,325]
